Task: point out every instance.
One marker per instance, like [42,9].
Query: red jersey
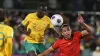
[69,47]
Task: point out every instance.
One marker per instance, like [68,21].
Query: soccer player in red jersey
[69,43]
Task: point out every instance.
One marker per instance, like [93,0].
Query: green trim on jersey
[2,39]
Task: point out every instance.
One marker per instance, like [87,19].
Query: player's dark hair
[64,25]
[42,7]
[2,15]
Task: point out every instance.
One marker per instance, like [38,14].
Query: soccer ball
[57,20]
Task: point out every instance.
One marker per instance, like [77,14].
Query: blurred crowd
[61,5]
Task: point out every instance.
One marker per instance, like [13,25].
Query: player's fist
[80,19]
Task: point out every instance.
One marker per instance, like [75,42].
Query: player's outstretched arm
[46,52]
[88,29]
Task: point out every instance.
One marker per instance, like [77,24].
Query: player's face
[66,32]
[41,14]
[42,11]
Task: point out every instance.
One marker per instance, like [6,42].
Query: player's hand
[25,31]
[80,19]
[28,31]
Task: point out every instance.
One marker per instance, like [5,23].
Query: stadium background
[16,10]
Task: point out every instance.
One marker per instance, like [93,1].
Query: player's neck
[37,15]
[67,38]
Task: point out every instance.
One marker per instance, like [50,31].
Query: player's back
[3,38]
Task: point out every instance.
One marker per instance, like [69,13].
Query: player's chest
[69,46]
[68,43]
[40,24]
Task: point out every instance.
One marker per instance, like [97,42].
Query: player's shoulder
[31,14]
[59,40]
[47,17]
[77,33]
[9,27]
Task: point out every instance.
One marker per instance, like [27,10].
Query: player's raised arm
[88,29]
[46,52]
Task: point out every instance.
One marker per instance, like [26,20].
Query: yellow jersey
[6,35]
[37,26]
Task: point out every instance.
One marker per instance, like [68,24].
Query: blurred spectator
[97,5]
[90,47]
[64,4]
[65,18]
[97,49]
[19,4]
[52,4]
[98,31]
[8,4]
[98,27]
[88,5]
[78,5]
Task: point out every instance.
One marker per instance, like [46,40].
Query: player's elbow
[91,31]
[20,28]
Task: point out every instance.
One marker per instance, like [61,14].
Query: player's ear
[61,33]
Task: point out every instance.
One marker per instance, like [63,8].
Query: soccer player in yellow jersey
[36,24]
[6,35]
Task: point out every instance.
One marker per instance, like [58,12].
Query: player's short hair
[64,25]
[42,7]
[2,15]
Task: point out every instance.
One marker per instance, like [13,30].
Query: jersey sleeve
[50,25]
[55,45]
[78,34]
[10,32]
[26,20]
